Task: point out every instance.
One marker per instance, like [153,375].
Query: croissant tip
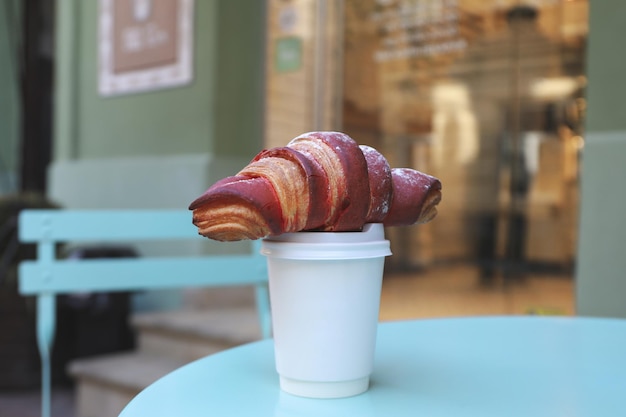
[430,208]
[200,201]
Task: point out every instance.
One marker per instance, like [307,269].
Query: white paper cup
[325,298]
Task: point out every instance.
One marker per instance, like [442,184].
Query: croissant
[320,181]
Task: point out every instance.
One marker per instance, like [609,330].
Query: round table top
[490,366]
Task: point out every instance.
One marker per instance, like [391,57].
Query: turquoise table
[495,366]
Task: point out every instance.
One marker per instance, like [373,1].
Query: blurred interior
[495,113]
[488,97]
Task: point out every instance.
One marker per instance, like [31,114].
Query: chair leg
[45,335]
[263,310]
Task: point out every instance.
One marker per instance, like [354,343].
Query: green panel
[241,78]
[65,69]
[606,66]
[10,28]
[601,277]
[601,261]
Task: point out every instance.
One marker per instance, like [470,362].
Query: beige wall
[306,98]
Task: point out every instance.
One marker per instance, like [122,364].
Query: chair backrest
[49,275]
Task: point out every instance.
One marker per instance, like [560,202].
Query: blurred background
[514,104]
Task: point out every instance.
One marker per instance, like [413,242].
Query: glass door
[487,96]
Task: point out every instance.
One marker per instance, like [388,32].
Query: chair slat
[105,225]
[128,274]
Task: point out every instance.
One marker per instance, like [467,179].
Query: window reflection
[488,96]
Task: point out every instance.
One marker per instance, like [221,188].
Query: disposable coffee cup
[325,298]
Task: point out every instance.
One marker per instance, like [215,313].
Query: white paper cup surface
[325,297]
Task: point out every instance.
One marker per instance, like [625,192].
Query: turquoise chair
[48,275]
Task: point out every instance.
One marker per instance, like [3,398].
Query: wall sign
[144,45]
[288,55]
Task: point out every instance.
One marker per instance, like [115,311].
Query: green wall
[219,112]
[163,148]
[606,66]
[601,269]
[240,71]
[10,28]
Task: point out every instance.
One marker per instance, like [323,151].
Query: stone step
[191,334]
[165,342]
[107,383]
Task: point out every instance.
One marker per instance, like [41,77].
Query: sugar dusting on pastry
[327,182]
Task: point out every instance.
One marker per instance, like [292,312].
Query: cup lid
[368,243]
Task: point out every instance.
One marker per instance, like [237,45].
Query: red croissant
[321,181]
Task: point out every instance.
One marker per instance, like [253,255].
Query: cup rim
[369,243]
[371,232]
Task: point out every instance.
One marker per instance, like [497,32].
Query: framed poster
[144,45]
